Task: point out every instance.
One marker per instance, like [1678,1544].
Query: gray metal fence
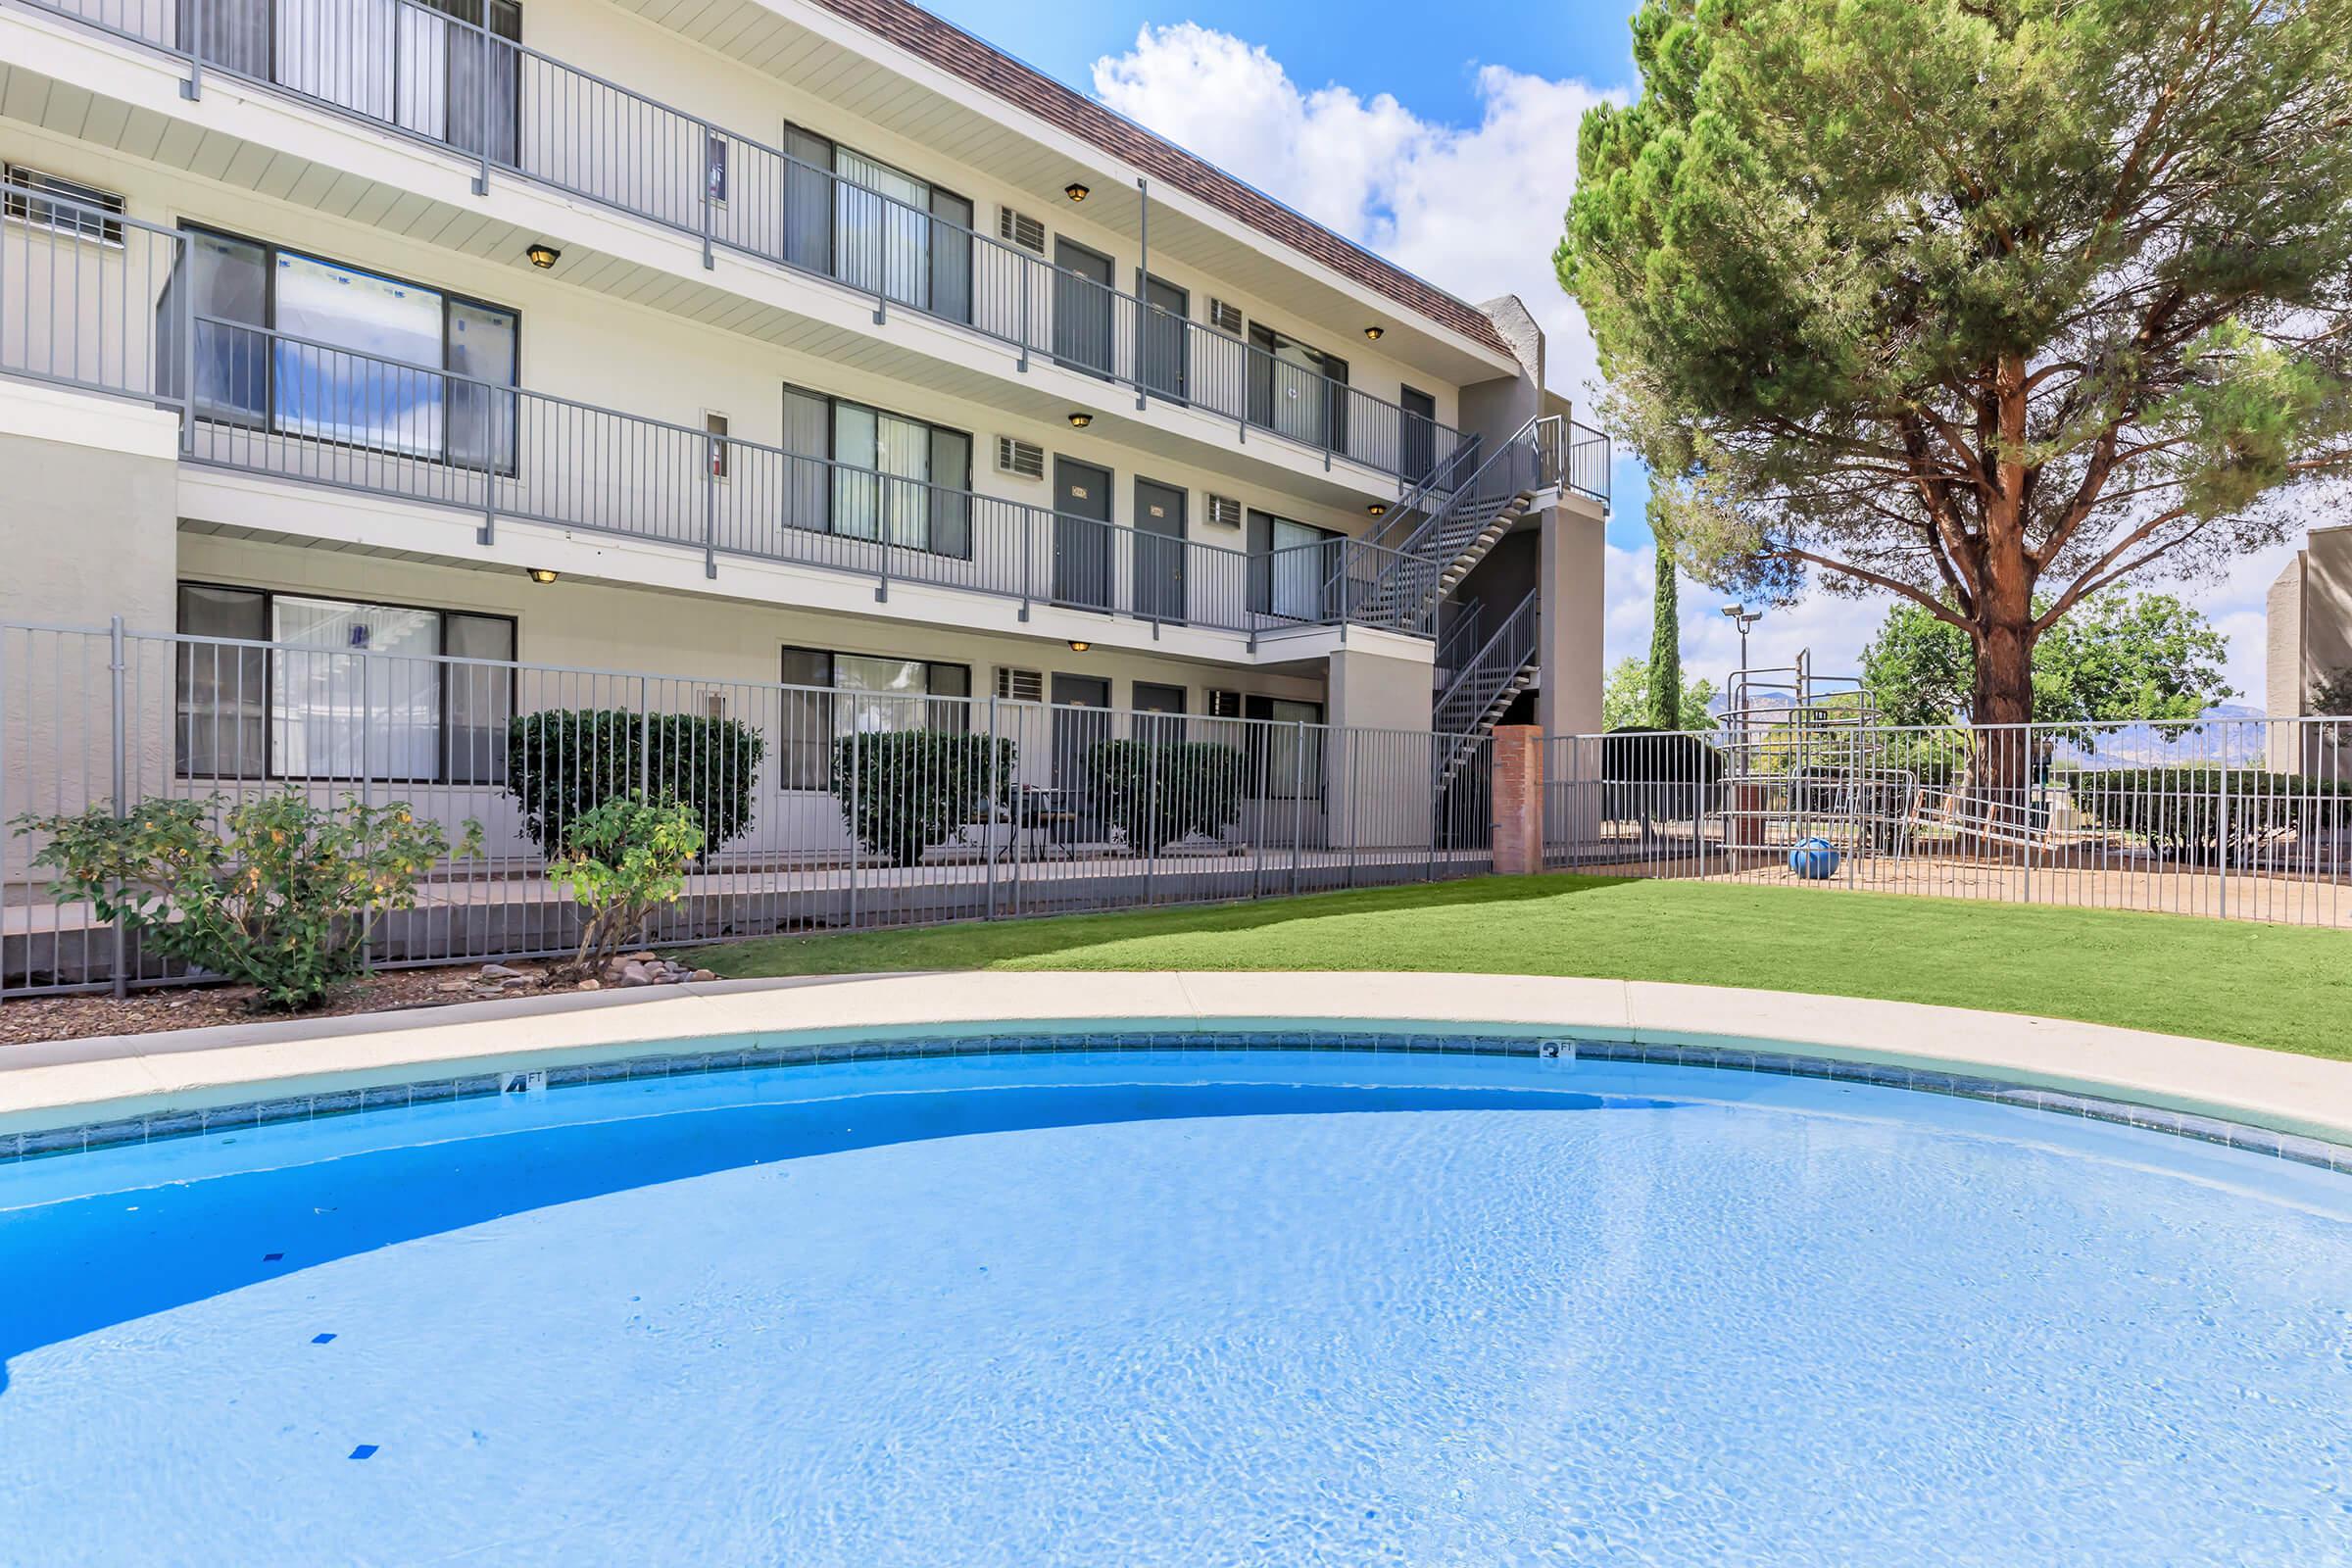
[2248,818]
[467,85]
[828,808]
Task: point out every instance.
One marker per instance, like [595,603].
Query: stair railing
[1462,706]
[1532,459]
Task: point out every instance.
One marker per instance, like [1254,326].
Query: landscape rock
[499,971]
[700,975]
[635,973]
[592,984]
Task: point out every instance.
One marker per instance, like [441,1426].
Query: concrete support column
[1574,559]
[1377,776]
[1518,800]
[91,526]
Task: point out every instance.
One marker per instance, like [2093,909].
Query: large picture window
[857,694]
[1291,564]
[887,477]
[346,690]
[309,347]
[879,230]
[1288,392]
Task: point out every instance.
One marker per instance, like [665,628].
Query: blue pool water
[1130,1309]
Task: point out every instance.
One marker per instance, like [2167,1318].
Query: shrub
[1161,791]
[622,859]
[564,763]
[283,896]
[902,791]
[2180,810]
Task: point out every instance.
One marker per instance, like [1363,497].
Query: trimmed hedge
[564,763]
[2180,810]
[1161,791]
[902,791]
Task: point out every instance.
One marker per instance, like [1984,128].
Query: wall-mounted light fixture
[1081,420]
[539,575]
[1077,647]
[1076,191]
[1378,509]
[543,255]
[1374,332]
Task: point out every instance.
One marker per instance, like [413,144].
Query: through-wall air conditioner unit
[1225,317]
[1024,460]
[1224,511]
[1019,228]
[1020,685]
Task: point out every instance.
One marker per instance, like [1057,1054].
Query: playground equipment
[1810,774]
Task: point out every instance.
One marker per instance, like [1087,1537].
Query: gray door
[1419,445]
[1080,722]
[1082,307]
[1159,551]
[1082,535]
[1165,309]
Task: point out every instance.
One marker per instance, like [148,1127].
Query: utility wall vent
[1019,228]
[1224,511]
[1225,317]
[1020,685]
[1024,460]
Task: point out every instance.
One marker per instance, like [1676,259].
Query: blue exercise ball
[1814,860]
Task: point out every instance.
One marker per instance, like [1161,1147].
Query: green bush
[281,896]
[2181,810]
[622,859]
[564,763]
[902,791]
[1161,791]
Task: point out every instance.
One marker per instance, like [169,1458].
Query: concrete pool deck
[55,1084]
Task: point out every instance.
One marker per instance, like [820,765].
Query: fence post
[857,821]
[191,87]
[1298,798]
[995,791]
[715,449]
[116,669]
[2221,845]
[481,104]
[708,261]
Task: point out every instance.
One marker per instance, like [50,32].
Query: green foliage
[902,791]
[2331,696]
[276,891]
[2208,814]
[1665,630]
[1161,791]
[2119,658]
[1973,299]
[622,859]
[563,763]
[1625,700]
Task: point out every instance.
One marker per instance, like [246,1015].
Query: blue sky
[1450,147]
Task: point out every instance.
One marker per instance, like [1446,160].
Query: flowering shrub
[622,859]
[282,894]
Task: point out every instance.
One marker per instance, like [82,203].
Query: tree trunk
[2002,706]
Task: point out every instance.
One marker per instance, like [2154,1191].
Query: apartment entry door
[1082,535]
[1082,307]
[1164,335]
[1080,722]
[1159,551]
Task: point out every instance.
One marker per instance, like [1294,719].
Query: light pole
[1742,617]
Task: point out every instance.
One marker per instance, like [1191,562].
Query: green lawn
[2284,988]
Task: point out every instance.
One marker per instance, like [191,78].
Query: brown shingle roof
[952,49]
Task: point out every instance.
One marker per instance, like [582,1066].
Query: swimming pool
[1184,1308]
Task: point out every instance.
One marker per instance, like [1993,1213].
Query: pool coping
[53,1085]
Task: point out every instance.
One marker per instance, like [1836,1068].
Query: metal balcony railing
[459,84]
[95,308]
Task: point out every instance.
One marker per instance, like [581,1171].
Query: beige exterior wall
[2308,635]
[86,508]
[1574,563]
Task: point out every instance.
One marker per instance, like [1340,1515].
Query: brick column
[1518,800]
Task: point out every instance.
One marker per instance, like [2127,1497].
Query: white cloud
[1475,209]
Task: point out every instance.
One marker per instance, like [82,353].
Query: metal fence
[464,84]
[2246,818]
[828,808]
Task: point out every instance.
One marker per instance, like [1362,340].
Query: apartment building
[809,341]
[2308,626]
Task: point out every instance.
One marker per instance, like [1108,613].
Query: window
[1290,564]
[883,476]
[879,230]
[716,424]
[861,693]
[1274,762]
[714,168]
[309,347]
[1291,391]
[77,211]
[348,690]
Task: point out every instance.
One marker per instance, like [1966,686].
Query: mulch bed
[29,1019]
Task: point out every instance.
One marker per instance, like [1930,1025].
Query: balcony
[87,301]
[455,84]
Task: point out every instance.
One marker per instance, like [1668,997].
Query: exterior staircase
[1445,527]
[1475,696]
